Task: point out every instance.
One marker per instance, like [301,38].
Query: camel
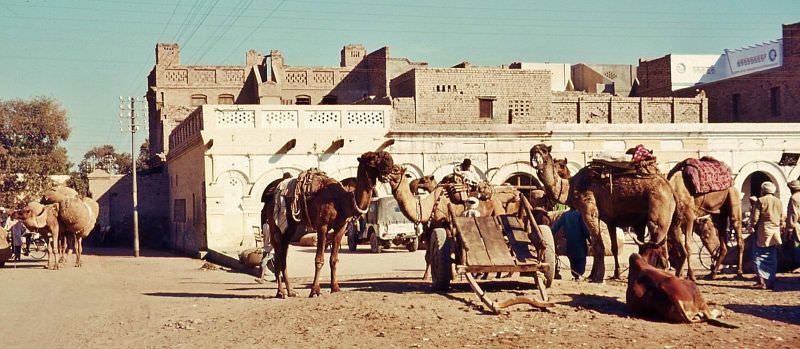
[426,183]
[617,201]
[327,207]
[725,207]
[432,209]
[65,217]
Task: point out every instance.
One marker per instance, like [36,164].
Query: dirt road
[163,301]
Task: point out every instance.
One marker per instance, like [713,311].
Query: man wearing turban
[767,216]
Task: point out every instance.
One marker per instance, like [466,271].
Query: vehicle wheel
[38,249]
[413,245]
[441,272]
[352,238]
[375,244]
[547,253]
[706,259]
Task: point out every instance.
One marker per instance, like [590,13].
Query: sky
[87,53]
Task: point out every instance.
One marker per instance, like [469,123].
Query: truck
[384,225]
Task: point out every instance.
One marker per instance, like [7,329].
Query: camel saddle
[605,170]
[308,183]
[459,190]
[705,174]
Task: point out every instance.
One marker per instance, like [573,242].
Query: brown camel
[426,183]
[327,207]
[724,205]
[617,201]
[433,208]
[64,222]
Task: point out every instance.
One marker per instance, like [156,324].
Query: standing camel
[327,207]
[433,210]
[618,201]
[723,205]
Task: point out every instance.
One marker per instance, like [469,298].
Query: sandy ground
[164,301]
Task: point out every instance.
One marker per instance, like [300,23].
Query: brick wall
[451,95]
[655,77]
[570,107]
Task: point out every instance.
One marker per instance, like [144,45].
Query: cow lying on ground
[657,293]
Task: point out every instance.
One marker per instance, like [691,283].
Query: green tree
[144,154]
[30,150]
[105,158]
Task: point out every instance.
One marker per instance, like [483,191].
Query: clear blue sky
[86,53]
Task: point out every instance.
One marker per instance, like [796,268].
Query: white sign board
[760,57]
[690,70]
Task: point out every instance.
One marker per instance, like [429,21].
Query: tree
[144,154]
[30,150]
[105,158]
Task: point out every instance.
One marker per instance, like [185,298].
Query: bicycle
[37,249]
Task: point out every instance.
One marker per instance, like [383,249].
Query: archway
[751,186]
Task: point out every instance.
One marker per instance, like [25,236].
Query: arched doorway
[752,187]
[524,182]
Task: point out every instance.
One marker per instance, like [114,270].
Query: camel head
[704,226]
[427,183]
[32,215]
[562,169]
[540,155]
[377,165]
[652,252]
[396,177]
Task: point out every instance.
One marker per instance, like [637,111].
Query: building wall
[451,95]
[187,199]
[754,90]
[114,195]
[603,108]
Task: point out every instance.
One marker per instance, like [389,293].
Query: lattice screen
[279,118]
[367,118]
[323,118]
[237,118]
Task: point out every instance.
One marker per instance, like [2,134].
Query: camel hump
[59,194]
[77,216]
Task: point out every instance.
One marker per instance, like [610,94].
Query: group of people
[18,230]
[772,230]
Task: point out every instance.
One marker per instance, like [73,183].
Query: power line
[169,20]
[267,17]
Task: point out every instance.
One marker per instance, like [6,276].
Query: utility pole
[129,113]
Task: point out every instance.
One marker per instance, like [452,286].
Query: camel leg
[687,246]
[280,245]
[55,250]
[681,236]
[78,242]
[319,259]
[736,220]
[592,219]
[612,233]
[337,242]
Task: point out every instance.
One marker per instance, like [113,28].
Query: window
[198,100]
[302,100]
[179,211]
[225,99]
[736,105]
[775,101]
[486,107]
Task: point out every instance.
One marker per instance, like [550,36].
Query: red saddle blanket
[706,174]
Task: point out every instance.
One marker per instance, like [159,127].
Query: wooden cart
[505,243]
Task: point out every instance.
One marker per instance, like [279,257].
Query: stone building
[225,132]
[759,83]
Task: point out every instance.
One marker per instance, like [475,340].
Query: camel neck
[363,192]
[557,187]
[410,205]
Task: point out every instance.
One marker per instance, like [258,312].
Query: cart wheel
[706,259]
[548,254]
[439,247]
[38,249]
[352,238]
[374,244]
[413,245]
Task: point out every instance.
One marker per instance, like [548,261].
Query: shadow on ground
[789,314]
[201,295]
[601,304]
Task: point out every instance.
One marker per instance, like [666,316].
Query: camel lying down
[657,293]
